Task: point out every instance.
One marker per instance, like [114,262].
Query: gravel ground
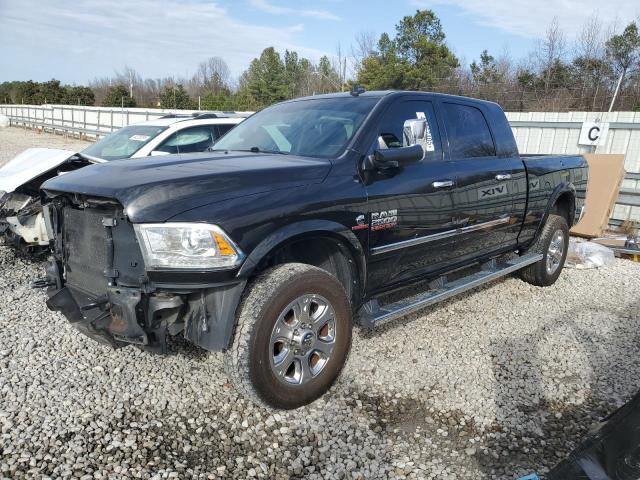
[14,140]
[497,383]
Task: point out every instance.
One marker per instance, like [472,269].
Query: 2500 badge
[384,219]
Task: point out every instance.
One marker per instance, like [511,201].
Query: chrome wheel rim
[555,252]
[302,339]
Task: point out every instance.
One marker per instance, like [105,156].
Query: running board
[372,314]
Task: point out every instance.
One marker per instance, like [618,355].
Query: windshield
[124,142]
[315,127]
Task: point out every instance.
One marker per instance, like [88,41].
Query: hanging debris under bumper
[129,316]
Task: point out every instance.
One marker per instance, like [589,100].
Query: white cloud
[265,6]
[77,41]
[530,18]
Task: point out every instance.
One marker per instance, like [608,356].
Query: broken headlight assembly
[14,202]
[187,246]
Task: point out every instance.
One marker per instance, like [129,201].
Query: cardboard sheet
[606,173]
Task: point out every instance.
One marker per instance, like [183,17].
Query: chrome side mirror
[416,131]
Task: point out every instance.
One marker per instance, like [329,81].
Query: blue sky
[76,41]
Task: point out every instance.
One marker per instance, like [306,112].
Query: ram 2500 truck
[300,222]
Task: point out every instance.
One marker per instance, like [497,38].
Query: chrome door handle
[443,184]
[503,176]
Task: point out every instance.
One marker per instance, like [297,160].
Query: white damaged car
[21,219]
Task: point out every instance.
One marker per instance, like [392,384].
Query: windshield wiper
[251,150]
[259,150]
[90,158]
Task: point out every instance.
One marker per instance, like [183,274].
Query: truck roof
[387,93]
[206,119]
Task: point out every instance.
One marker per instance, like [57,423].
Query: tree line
[560,74]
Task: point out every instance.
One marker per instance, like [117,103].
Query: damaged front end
[97,278]
[21,220]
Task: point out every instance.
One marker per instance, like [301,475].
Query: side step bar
[372,314]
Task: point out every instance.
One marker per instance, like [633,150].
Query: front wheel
[292,336]
[553,244]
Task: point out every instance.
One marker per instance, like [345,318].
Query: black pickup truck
[300,222]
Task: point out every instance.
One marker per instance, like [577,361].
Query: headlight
[187,246]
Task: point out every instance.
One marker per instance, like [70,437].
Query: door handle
[503,176]
[443,184]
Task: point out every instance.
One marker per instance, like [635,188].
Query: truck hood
[154,189]
[30,164]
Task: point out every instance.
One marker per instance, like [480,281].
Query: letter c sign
[593,133]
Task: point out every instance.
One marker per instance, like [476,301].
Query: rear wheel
[553,244]
[292,337]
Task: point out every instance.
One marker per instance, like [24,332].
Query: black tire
[538,273]
[249,362]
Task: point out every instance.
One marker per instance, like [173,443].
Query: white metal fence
[553,132]
[85,121]
[535,132]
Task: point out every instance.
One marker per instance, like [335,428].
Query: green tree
[266,79]
[78,96]
[329,80]
[27,93]
[218,101]
[175,96]
[385,68]
[416,59]
[294,71]
[526,80]
[624,51]
[557,75]
[50,92]
[118,96]
[486,71]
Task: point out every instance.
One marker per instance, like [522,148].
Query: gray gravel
[494,384]
[14,140]
[497,383]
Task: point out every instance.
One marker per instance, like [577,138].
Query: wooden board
[606,173]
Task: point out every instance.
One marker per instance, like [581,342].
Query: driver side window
[189,140]
[391,133]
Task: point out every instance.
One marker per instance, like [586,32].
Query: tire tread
[535,274]
[257,295]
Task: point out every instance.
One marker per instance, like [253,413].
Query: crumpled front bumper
[127,315]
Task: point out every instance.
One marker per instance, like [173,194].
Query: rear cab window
[468,131]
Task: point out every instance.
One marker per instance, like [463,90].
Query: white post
[615,94]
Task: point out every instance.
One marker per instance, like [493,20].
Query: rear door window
[468,132]
[189,140]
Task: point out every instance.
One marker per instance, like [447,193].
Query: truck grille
[85,249]
[86,255]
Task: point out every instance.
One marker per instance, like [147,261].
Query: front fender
[301,229]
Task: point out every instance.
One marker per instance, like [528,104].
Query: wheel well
[564,207]
[327,253]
